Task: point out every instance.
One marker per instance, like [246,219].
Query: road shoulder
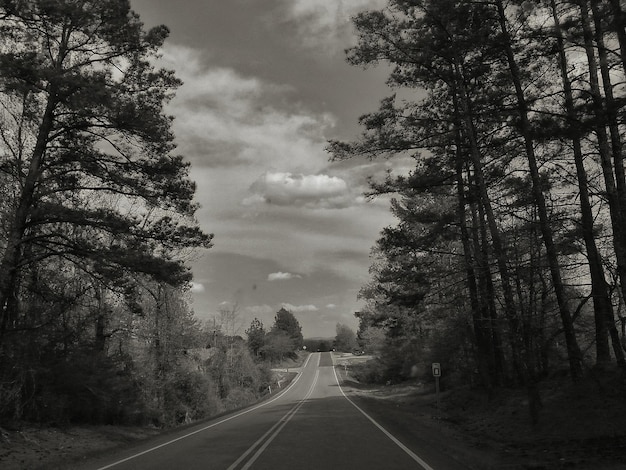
[412,418]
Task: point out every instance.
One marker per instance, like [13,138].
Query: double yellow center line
[269,436]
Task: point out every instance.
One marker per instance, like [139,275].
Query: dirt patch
[580,427]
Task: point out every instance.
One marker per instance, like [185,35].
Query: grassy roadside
[30,447]
[579,428]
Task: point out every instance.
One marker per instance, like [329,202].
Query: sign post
[436,375]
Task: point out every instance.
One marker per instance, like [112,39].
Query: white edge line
[211,425]
[411,454]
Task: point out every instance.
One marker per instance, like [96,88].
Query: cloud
[224,118]
[197,287]
[280,276]
[327,22]
[299,308]
[331,306]
[311,191]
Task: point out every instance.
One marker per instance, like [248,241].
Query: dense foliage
[283,341]
[508,261]
[345,339]
[97,218]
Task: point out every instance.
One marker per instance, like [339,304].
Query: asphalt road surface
[309,425]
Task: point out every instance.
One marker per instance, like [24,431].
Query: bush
[373,371]
[188,396]
[83,387]
[238,398]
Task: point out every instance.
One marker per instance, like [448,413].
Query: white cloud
[328,22]
[226,119]
[280,276]
[299,308]
[197,287]
[312,191]
[331,306]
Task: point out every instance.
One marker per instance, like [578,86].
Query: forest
[508,260]
[98,228]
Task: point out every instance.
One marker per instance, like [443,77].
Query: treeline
[345,340]
[97,218]
[282,341]
[508,262]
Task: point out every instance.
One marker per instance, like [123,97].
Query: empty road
[309,425]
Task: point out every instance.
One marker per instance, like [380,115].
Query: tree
[449,49]
[345,339]
[525,130]
[97,213]
[495,194]
[256,336]
[371,339]
[603,307]
[278,345]
[86,148]
[286,322]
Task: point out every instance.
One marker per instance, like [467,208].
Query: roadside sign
[436,375]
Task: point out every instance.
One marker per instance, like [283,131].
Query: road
[309,425]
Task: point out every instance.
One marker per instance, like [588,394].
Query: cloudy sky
[266,86]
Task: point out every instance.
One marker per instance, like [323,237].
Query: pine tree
[86,148]
[256,336]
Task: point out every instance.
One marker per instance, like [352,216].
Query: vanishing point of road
[311,424]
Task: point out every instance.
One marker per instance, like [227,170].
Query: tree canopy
[97,212]
[512,219]
[286,322]
[345,339]
[86,150]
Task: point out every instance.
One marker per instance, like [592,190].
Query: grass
[581,426]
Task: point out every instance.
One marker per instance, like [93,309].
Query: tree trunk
[479,320]
[604,149]
[613,181]
[618,25]
[101,320]
[603,308]
[487,289]
[618,161]
[489,299]
[11,258]
[463,104]
[573,350]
